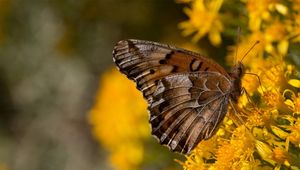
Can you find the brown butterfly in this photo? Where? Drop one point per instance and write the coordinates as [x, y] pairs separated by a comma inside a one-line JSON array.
[[187, 94]]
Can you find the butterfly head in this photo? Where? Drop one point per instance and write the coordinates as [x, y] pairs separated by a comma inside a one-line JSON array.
[[237, 71]]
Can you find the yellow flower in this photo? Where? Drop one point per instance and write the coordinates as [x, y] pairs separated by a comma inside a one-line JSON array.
[[268, 134], [120, 129], [294, 26], [203, 19], [274, 39], [253, 56], [204, 150], [294, 136], [293, 102], [279, 132], [267, 127], [261, 10], [265, 151], [273, 73], [225, 156], [296, 5], [296, 101], [280, 155], [251, 83], [276, 32], [294, 82], [258, 118], [237, 152], [273, 98]]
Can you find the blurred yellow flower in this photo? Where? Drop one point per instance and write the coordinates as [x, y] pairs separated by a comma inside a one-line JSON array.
[[296, 5], [261, 10], [203, 19], [120, 129], [254, 56], [276, 32], [293, 102], [280, 155], [294, 136]]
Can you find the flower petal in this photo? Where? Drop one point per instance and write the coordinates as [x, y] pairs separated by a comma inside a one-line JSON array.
[[294, 82]]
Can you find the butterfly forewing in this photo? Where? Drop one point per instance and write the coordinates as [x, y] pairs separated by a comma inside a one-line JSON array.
[[147, 62], [187, 94]]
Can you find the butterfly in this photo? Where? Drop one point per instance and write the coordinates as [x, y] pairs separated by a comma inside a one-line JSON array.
[[187, 94]]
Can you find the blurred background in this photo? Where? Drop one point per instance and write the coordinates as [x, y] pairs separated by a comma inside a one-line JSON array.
[[63, 105], [53, 54]]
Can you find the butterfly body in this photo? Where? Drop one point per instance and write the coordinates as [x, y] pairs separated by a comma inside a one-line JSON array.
[[236, 74], [187, 94]]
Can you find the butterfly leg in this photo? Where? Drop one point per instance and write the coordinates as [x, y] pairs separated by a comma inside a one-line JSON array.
[[240, 119], [244, 91], [236, 112], [258, 78], [249, 98]]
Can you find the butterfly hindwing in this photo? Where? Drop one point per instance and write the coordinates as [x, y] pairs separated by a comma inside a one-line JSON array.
[[187, 107], [147, 62]]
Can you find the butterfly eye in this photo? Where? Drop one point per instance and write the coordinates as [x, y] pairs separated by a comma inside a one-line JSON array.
[[241, 69]]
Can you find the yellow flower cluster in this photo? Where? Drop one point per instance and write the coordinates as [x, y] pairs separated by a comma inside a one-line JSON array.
[[268, 137], [265, 134], [121, 129], [203, 19]]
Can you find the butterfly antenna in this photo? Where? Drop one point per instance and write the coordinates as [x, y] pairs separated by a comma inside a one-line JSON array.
[[250, 50], [237, 46]]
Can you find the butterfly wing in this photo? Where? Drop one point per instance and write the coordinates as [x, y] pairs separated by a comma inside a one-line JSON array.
[[147, 62], [187, 107], [187, 93]]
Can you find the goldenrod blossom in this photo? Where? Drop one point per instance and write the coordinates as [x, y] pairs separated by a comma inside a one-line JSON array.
[[203, 19], [261, 10], [265, 134]]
